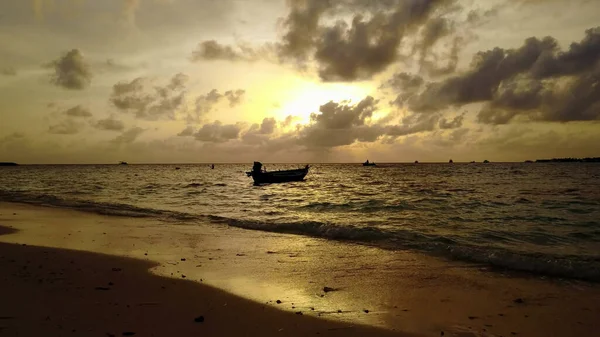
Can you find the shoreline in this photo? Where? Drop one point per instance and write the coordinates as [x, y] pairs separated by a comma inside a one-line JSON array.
[[50, 291], [389, 290]]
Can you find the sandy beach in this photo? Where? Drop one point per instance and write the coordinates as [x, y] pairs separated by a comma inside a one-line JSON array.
[[69, 273]]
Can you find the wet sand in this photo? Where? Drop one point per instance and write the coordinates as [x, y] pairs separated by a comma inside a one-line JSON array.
[[59, 292], [59, 282]]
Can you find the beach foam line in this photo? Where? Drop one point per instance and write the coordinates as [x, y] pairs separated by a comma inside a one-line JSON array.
[[575, 267]]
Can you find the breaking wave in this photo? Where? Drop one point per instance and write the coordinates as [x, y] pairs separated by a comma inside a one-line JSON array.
[[579, 267]]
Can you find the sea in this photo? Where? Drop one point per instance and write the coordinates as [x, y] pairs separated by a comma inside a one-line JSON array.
[[541, 218]]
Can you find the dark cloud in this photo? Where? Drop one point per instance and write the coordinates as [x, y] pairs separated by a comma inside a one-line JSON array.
[[432, 31], [342, 116], [212, 50], [188, 131], [128, 136], [414, 123], [78, 111], [234, 97], [8, 71], [368, 46], [110, 124], [432, 69], [455, 123], [581, 57], [343, 51], [66, 127], [406, 84], [536, 81], [71, 71], [339, 124], [268, 126], [302, 25], [218, 132], [162, 102]]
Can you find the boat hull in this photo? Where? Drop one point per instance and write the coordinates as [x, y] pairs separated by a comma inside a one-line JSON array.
[[278, 176]]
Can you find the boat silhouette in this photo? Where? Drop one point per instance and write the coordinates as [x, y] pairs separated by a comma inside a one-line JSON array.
[[261, 176], [367, 163]]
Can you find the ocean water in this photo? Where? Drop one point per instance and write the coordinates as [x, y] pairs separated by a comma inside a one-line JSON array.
[[540, 218]]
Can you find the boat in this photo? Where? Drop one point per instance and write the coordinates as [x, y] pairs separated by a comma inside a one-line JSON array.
[[367, 163], [122, 163], [261, 176]]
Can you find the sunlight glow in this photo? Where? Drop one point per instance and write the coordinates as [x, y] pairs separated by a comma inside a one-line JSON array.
[[307, 97]]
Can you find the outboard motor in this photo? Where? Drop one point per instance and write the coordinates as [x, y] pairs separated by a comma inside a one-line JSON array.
[[257, 167]]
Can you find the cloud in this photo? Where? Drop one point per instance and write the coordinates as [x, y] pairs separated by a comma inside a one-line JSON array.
[[268, 126], [71, 71], [15, 136], [536, 81], [339, 124], [8, 71], [218, 132], [66, 127], [211, 50], [188, 131], [78, 111], [234, 97], [128, 136], [414, 123], [206, 103], [163, 102], [455, 123], [110, 124], [342, 51]]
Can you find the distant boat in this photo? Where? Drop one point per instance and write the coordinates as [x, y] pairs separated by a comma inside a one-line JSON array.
[[212, 167], [486, 161], [416, 161], [122, 163], [473, 162], [450, 161], [261, 176], [8, 164], [367, 163]]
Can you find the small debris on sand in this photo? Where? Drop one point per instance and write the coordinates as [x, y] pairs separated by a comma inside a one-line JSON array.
[[182, 276], [199, 319], [278, 302]]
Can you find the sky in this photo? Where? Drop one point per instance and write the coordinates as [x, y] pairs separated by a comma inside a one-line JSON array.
[[215, 81]]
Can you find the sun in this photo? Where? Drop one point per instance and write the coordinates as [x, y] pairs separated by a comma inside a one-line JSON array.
[[306, 97]]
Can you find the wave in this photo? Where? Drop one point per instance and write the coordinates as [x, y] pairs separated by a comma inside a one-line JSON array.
[[369, 206], [395, 238], [103, 208]]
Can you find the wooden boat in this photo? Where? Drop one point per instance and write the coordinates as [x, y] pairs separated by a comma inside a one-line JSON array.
[[122, 163], [367, 163], [261, 176]]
